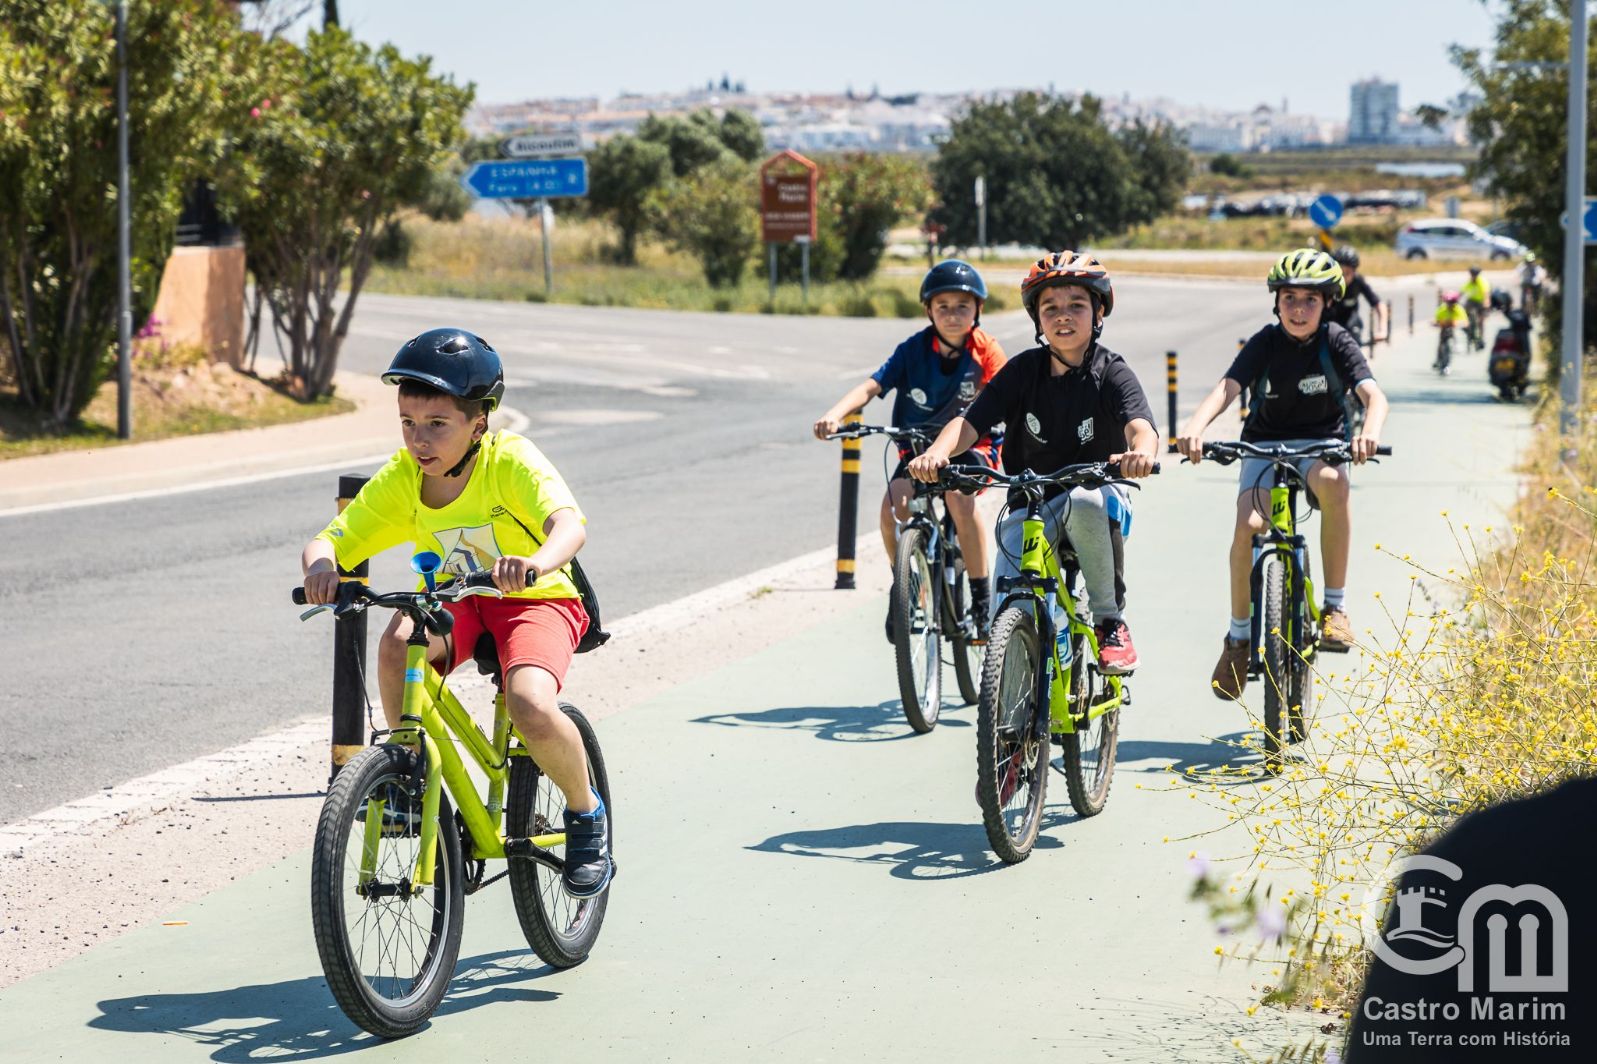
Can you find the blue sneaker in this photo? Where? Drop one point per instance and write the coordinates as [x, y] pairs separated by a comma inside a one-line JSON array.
[[588, 868]]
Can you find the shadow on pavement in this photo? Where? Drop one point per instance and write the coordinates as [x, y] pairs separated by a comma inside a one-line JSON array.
[[911, 849], [1219, 756], [1447, 397], [298, 1019], [881, 723]]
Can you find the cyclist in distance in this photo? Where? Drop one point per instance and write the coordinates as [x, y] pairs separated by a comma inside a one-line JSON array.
[[485, 502], [936, 373], [1299, 369], [1068, 400], [1476, 293], [1345, 311], [1450, 317]]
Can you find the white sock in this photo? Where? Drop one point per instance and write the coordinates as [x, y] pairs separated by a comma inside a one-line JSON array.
[[1334, 597], [1240, 629]]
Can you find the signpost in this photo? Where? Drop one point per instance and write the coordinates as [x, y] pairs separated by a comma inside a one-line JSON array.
[[787, 208], [544, 146], [1325, 212], [540, 179], [981, 214]]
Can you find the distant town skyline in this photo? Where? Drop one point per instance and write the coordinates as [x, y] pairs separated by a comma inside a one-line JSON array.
[[1166, 48]]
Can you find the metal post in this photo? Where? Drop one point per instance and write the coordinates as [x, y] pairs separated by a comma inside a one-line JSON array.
[[771, 247], [1170, 383], [548, 253], [848, 509], [124, 252], [1573, 284], [349, 658], [1411, 313], [981, 215], [804, 260]]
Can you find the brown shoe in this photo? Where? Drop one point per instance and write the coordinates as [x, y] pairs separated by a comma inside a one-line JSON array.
[[1231, 674], [1336, 631]]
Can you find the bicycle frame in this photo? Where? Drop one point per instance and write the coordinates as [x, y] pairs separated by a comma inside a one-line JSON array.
[[431, 710], [1281, 539], [1040, 578]]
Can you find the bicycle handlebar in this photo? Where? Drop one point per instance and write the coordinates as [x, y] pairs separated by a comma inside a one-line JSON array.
[[1095, 474], [353, 596], [892, 431], [1332, 452]]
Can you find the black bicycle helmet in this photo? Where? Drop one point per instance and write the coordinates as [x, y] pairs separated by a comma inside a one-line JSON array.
[[953, 275], [1346, 255], [454, 361]]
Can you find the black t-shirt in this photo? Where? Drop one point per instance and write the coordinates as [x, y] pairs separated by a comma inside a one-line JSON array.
[[1053, 421], [1294, 399], [1346, 309]]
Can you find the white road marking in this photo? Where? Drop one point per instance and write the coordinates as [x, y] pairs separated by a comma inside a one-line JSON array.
[[138, 798]]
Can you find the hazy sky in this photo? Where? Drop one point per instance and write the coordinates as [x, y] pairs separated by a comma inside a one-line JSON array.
[[1230, 54]]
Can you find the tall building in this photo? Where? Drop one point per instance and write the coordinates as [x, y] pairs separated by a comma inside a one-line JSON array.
[[1373, 114]]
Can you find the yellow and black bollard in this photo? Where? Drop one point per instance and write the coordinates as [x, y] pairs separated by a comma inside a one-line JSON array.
[[848, 509], [349, 657], [1170, 384], [1411, 313]]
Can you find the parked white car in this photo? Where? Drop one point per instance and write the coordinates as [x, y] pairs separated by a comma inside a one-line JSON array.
[[1454, 238]]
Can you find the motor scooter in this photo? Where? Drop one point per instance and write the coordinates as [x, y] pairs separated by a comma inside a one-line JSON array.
[[1508, 368]]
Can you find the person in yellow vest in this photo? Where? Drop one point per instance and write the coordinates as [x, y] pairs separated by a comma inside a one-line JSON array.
[[1477, 293]]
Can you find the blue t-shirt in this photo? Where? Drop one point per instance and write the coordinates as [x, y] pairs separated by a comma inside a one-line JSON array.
[[931, 390]]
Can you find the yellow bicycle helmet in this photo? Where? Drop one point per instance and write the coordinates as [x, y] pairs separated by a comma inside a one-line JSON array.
[[1308, 268]]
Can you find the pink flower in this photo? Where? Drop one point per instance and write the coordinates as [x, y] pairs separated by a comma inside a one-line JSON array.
[[255, 112], [267, 103]]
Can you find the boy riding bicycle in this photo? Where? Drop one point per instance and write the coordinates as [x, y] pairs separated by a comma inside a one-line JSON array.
[[1477, 294], [485, 502], [1345, 311], [936, 373], [1449, 316], [1299, 369], [1068, 400]]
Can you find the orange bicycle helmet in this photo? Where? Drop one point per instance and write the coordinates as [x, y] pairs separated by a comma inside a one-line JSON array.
[[1067, 268]]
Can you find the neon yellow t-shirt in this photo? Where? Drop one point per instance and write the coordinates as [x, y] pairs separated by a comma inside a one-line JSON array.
[[1475, 290], [513, 490], [1451, 314]]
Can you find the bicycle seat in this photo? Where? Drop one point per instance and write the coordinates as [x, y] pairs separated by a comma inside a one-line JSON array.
[[486, 655]]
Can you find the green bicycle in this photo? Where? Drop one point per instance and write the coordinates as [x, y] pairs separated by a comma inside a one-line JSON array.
[[1038, 688], [1285, 627], [395, 854]]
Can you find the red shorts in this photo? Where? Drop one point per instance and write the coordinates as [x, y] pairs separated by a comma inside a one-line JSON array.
[[541, 632]]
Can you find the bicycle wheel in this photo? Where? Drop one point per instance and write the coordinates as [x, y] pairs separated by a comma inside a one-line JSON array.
[[916, 640], [1089, 757], [559, 928], [1011, 761], [1276, 657], [967, 655], [388, 954], [1300, 670]]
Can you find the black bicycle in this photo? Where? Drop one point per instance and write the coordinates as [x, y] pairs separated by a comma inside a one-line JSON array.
[[930, 597], [1285, 629]]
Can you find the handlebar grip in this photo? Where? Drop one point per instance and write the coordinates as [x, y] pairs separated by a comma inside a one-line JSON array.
[[486, 579], [1157, 466], [1383, 450], [299, 596]]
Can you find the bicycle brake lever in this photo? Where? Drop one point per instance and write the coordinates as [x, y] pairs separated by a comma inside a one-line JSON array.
[[313, 611]]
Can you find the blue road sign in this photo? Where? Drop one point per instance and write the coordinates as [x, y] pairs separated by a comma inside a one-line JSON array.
[[1589, 220], [1325, 211], [527, 179]]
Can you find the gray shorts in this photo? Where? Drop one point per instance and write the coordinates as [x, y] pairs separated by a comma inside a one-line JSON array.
[[1260, 473]]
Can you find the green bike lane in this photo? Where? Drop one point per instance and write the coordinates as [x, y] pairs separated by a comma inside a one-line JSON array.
[[801, 878]]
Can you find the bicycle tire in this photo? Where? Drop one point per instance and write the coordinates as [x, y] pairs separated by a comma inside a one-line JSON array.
[[560, 929], [1300, 674], [1089, 766], [387, 771], [1008, 756], [1275, 659], [967, 655], [920, 683]]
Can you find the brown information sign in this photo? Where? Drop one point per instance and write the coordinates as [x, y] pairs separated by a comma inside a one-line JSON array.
[[787, 198]]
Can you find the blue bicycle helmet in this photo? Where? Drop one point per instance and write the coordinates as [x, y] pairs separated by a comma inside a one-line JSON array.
[[953, 275]]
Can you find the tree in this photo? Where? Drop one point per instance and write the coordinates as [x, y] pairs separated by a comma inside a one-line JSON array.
[[1056, 175], [712, 216], [860, 196], [58, 173], [1430, 115], [693, 142], [1161, 166], [342, 139], [742, 135], [1520, 127], [623, 173]]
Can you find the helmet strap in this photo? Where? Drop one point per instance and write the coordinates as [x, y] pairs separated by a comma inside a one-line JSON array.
[[454, 471]]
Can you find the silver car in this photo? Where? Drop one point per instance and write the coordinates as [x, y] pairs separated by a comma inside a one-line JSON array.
[[1454, 238]]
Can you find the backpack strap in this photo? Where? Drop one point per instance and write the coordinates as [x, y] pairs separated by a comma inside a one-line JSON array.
[[1333, 381]]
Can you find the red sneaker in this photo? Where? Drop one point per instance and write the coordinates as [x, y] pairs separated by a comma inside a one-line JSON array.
[[1116, 655]]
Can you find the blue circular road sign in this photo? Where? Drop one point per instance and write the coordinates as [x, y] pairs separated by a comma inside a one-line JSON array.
[[1325, 211]]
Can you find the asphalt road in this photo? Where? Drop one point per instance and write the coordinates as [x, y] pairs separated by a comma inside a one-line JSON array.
[[144, 633]]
